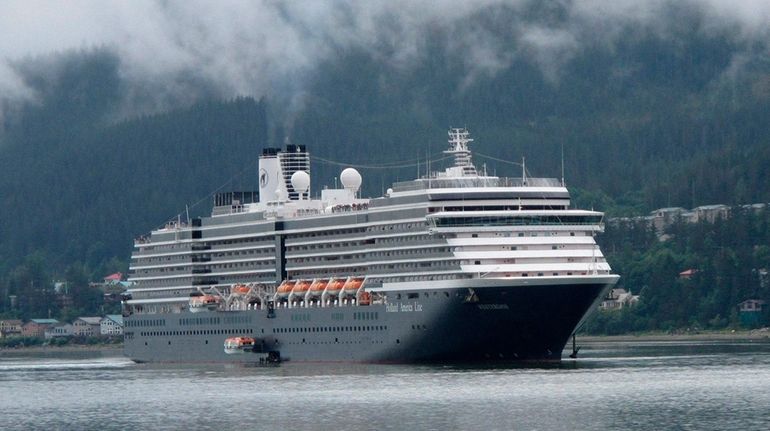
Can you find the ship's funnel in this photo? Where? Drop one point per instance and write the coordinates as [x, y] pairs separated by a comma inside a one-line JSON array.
[[270, 180]]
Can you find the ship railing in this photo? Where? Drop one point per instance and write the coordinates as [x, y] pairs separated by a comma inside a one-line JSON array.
[[341, 208], [473, 182]]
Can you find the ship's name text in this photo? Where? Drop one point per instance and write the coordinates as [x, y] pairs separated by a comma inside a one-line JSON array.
[[403, 307]]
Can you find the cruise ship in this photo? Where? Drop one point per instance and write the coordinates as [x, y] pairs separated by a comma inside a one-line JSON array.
[[454, 266]]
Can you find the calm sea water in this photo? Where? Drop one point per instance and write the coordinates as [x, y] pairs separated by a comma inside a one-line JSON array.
[[626, 386]]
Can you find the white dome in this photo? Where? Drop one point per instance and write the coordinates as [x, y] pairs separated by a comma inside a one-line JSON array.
[[300, 180], [350, 179]]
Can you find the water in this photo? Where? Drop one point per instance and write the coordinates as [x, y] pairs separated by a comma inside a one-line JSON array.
[[625, 386]]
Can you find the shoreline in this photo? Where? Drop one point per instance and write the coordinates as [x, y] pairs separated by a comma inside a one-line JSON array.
[[106, 348], [752, 335]]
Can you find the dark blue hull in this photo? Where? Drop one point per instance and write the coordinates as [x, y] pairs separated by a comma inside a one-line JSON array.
[[501, 323]]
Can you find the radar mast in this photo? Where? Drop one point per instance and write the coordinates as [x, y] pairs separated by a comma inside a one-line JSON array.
[[458, 147]]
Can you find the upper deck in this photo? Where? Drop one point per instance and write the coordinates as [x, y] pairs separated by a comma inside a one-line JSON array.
[[474, 182]]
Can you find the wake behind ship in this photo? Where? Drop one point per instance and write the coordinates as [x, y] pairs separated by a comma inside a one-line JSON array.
[[457, 266]]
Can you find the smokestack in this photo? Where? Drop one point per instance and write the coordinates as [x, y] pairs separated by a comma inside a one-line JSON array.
[[270, 181]]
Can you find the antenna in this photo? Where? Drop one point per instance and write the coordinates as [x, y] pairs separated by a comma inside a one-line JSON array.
[[562, 165], [523, 170]]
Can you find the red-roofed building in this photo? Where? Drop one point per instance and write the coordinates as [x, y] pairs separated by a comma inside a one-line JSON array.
[[113, 278]]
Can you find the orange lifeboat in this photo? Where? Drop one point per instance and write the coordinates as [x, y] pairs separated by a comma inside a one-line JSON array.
[[239, 345], [318, 287], [285, 288], [353, 285], [240, 289], [365, 298], [335, 286], [302, 286], [204, 303]]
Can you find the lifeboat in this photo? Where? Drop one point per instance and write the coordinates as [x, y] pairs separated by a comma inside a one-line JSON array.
[[240, 289], [204, 303], [318, 287], [365, 298], [335, 286], [285, 288], [302, 286], [239, 345], [351, 287]]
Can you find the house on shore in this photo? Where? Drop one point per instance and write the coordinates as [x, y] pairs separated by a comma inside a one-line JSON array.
[[619, 298], [87, 326], [60, 330], [111, 324], [10, 328], [752, 312], [37, 327]]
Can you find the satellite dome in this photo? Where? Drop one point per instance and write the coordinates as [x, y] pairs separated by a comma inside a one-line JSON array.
[[300, 180], [350, 179]]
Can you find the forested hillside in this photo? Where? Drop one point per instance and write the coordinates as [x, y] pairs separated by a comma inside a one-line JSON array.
[[652, 119], [728, 260], [76, 188]]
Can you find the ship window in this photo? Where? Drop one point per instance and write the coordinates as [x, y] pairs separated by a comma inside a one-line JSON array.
[[413, 295]]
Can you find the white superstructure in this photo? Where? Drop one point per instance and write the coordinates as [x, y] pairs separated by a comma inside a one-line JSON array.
[[455, 227]]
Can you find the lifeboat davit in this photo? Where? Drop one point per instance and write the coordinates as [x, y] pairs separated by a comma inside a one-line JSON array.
[[239, 345], [204, 303]]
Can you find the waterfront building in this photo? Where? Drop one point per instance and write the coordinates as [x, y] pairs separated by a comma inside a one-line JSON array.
[[37, 327], [111, 324]]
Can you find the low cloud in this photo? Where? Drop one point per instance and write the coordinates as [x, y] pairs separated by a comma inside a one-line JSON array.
[[173, 51]]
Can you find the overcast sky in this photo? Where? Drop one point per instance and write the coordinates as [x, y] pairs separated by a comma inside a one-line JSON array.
[[250, 48]]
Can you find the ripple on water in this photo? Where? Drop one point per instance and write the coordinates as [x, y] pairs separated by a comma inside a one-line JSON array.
[[669, 386]]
